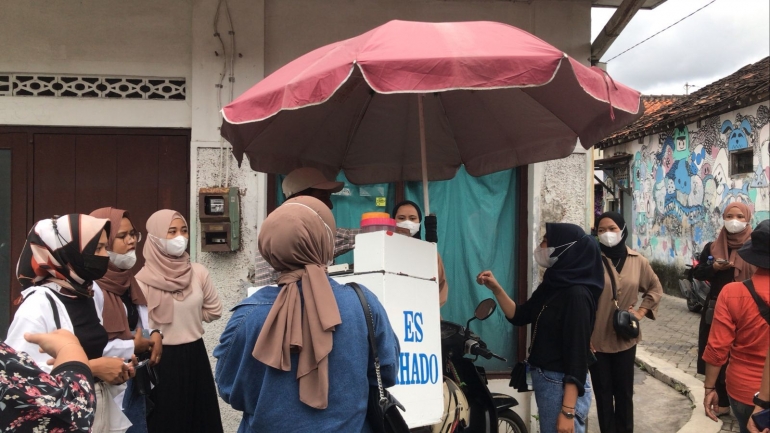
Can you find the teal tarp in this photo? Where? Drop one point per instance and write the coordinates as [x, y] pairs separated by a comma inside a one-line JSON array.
[[477, 231]]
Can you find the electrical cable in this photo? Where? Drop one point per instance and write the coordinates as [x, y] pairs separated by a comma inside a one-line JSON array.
[[656, 34]]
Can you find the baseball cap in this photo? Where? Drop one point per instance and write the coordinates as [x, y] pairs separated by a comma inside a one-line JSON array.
[[308, 177]]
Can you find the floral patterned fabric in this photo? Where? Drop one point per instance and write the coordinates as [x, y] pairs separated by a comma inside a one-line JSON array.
[[34, 401]]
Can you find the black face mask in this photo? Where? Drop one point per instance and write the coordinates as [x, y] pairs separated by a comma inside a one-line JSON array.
[[94, 267]]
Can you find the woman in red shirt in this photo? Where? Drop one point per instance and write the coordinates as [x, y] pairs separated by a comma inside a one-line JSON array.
[[740, 332]]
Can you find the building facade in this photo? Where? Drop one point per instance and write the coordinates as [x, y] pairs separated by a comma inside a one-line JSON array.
[[690, 158]]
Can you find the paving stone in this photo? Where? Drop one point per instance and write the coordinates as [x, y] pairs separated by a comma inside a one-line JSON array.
[[673, 337]]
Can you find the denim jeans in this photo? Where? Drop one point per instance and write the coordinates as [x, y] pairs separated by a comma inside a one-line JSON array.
[[742, 413], [134, 407], [549, 392]]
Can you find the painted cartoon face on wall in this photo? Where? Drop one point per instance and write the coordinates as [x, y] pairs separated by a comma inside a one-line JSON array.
[[709, 193], [697, 158], [682, 178], [681, 137], [736, 195], [670, 186], [737, 134], [696, 192]]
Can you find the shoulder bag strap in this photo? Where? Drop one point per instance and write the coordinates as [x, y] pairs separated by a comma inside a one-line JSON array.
[[372, 341], [764, 310], [55, 310], [612, 280]]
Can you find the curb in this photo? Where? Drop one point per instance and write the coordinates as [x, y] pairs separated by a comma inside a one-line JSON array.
[[691, 387]]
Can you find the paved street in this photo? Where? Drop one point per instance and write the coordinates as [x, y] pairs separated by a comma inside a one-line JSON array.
[[673, 337]]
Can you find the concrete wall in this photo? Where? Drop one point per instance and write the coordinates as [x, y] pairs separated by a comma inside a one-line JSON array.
[[140, 38], [681, 182], [174, 39]]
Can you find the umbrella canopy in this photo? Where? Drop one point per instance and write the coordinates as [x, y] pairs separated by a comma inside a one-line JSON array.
[[495, 97]]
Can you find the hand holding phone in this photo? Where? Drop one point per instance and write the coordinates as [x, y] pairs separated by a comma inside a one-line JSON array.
[[762, 419]]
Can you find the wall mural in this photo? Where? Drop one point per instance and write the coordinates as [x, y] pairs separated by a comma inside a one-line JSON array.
[[681, 182]]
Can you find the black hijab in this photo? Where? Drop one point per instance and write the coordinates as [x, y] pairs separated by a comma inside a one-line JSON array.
[[619, 252], [417, 235], [578, 264]]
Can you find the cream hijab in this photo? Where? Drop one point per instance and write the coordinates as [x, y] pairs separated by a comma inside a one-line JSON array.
[[168, 277], [297, 239]]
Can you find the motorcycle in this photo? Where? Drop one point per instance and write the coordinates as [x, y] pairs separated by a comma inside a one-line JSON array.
[[695, 291], [470, 406]]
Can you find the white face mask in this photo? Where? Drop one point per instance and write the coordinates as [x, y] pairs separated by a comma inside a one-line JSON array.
[[413, 227], [543, 255], [173, 247], [735, 226], [610, 239], [123, 261]]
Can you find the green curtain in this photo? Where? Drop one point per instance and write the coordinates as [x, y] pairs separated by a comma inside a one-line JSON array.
[[477, 219]]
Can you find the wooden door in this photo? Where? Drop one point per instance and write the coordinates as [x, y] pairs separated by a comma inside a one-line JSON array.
[[78, 170]]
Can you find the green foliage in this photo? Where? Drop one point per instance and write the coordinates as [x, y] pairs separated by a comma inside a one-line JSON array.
[[669, 276]]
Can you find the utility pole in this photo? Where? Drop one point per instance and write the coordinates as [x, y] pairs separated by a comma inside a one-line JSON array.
[[687, 88]]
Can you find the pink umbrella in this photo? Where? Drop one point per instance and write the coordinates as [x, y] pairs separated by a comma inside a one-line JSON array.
[[414, 101]]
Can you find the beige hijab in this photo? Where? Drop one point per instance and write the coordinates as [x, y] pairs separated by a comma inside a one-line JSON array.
[[297, 239], [168, 277]]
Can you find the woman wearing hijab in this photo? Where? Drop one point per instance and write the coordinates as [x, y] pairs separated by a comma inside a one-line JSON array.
[[180, 297], [125, 313], [741, 333], [408, 218], [60, 260], [295, 357], [727, 267], [613, 373], [69, 400], [562, 312]]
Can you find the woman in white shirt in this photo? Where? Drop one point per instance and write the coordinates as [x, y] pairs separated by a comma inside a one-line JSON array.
[[180, 296], [57, 267]]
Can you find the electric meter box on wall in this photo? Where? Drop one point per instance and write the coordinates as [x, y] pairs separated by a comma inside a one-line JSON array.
[[403, 273], [219, 211]]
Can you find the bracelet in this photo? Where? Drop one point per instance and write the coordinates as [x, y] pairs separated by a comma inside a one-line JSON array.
[[158, 331], [564, 405]]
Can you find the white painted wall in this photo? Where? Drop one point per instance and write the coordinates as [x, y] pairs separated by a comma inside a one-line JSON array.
[[138, 38], [175, 39]]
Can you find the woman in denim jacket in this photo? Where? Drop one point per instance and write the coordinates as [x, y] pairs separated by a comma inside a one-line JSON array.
[[295, 357]]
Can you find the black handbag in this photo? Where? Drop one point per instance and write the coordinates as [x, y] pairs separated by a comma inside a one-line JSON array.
[[382, 409], [519, 377], [625, 323]]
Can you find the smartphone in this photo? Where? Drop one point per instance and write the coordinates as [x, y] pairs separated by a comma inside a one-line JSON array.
[[141, 364], [762, 419], [722, 261]]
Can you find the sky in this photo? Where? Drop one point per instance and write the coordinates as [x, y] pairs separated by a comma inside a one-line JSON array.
[[711, 44]]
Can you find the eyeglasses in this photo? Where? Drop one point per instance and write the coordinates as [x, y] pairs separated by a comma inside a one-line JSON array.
[[133, 234]]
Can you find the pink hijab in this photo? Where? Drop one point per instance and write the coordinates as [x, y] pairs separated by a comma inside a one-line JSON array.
[[168, 277], [297, 239], [727, 244]]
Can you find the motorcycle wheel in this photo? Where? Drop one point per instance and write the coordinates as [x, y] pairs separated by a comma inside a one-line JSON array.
[[509, 422], [693, 306]]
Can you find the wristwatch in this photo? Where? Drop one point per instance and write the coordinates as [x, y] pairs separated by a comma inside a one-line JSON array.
[[761, 403], [158, 331], [569, 415]]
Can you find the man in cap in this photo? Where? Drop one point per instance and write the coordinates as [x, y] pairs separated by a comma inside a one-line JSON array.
[[741, 330], [311, 182]]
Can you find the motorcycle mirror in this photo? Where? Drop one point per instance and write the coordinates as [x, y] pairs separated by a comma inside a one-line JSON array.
[[485, 309]]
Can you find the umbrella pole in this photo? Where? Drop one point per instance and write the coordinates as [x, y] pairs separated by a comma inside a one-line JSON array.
[[423, 155]]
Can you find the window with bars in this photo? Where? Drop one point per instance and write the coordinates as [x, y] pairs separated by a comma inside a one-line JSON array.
[[92, 86]]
